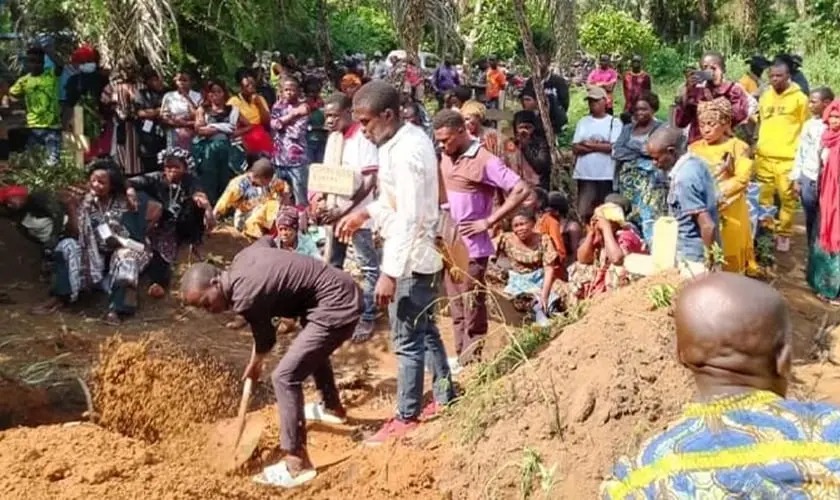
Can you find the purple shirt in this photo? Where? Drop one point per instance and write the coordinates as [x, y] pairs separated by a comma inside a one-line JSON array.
[[290, 139], [446, 78], [471, 182]]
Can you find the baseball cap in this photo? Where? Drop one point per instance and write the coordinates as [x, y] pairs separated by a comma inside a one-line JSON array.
[[596, 94]]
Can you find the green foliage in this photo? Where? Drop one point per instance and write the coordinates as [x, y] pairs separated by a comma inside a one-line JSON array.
[[361, 29], [662, 295], [665, 63], [610, 31], [30, 169]]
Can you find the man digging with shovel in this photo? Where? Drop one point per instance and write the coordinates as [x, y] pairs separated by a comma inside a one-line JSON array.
[[262, 283]]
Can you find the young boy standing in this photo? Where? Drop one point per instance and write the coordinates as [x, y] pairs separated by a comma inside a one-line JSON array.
[[806, 165]]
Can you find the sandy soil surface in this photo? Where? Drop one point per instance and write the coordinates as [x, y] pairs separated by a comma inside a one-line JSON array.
[[551, 428]]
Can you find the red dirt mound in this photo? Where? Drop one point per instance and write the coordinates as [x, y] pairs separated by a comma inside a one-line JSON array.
[[604, 384], [152, 388]]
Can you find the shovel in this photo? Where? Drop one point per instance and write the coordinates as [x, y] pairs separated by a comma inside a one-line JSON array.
[[234, 441]]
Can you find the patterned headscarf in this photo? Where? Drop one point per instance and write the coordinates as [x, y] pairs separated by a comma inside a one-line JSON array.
[[718, 110], [287, 217], [178, 154]]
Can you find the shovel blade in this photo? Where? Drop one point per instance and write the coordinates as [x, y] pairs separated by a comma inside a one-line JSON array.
[[227, 453]]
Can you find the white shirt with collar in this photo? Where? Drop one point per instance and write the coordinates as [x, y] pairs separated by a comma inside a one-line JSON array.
[[360, 155], [407, 209], [807, 162]]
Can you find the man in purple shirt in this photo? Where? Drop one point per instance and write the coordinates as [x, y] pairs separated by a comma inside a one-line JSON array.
[[444, 80], [471, 176]]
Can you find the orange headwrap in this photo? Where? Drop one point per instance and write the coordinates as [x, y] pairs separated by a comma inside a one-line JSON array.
[[7, 192]]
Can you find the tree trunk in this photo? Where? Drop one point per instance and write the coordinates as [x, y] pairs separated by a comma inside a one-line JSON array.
[[749, 19], [410, 28], [565, 34], [470, 39], [802, 9], [323, 33], [534, 63]]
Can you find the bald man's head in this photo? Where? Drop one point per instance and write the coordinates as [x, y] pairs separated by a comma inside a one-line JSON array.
[[665, 146], [734, 333], [200, 288]]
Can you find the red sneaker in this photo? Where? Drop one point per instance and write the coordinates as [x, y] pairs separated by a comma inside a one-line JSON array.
[[393, 429], [431, 411]]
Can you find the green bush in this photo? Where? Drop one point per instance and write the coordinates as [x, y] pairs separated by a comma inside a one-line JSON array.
[[666, 64], [610, 31]]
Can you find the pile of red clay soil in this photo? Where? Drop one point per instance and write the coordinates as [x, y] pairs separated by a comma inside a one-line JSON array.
[[151, 389], [602, 386], [21, 404]]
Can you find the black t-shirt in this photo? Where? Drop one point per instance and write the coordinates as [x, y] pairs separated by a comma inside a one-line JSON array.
[[155, 185], [557, 91]]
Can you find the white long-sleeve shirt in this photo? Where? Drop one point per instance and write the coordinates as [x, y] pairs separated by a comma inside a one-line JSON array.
[[407, 209], [807, 161]]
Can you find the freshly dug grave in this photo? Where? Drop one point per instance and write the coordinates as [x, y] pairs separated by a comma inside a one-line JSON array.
[[151, 389], [605, 384]]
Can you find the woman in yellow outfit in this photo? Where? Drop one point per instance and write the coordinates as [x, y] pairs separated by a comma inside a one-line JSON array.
[[729, 159]]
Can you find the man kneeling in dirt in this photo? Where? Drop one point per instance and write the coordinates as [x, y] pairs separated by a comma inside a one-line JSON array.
[[740, 438], [264, 282]]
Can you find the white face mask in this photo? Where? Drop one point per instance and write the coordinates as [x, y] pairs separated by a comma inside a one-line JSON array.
[[87, 67]]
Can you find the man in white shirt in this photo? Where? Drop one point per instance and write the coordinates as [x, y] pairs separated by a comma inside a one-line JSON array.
[[348, 147], [406, 214], [592, 145], [806, 165]]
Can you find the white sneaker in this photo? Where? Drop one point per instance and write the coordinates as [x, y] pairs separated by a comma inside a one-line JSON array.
[[315, 412], [783, 244], [454, 366]]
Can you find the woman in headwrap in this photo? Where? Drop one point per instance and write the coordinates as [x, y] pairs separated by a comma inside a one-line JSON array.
[[288, 236], [474, 114], [529, 149], [730, 161], [600, 256], [824, 262], [186, 213], [638, 178]]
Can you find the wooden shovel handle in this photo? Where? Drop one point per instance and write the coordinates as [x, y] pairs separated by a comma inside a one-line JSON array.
[[243, 407]]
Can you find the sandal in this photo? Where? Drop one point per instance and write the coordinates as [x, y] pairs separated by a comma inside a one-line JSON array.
[[112, 318], [236, 323], [278, 475], [47, 308]]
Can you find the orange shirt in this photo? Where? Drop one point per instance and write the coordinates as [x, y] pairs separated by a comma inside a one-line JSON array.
[[496, 81], [547, 224]]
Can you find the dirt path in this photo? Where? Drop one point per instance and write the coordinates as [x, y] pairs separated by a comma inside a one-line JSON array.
[[78, 468]]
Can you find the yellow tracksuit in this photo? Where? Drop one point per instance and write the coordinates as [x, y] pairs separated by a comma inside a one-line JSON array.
[[781, 117]]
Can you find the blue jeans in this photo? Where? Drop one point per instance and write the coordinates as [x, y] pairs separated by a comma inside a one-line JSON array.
[[416, 340], [50, 140], [810, 196], [368, 260], [297, 177]]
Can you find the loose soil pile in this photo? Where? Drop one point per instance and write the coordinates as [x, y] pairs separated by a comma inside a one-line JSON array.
[[152, 389], [606, 383]]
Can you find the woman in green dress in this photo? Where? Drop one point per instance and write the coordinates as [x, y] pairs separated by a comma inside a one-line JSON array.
[[638, 179], [217, 125]]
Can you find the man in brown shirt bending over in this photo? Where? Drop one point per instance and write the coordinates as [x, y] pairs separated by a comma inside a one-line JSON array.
[[264, 282]]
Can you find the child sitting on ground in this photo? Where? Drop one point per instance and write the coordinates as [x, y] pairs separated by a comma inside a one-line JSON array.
[[558, 208], [549, 225], [627, 207], [248, 191]]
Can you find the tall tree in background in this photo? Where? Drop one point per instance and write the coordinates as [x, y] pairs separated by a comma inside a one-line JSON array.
[[749, 22], [534, 63], [565, 32]]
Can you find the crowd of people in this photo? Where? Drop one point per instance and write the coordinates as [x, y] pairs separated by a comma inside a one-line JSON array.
[[166, 166]]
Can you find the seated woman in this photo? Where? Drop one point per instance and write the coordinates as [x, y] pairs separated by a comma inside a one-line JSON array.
[[217, 124], [186, 213], [248, 191], [290, 238], [548, 223], [638, 178], [106, 244], [531, 257], [558, 207], [732, 166], [600, 256]]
